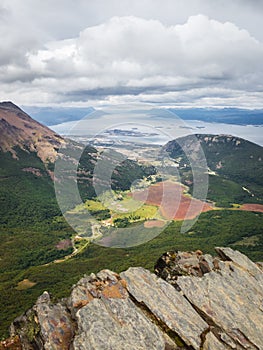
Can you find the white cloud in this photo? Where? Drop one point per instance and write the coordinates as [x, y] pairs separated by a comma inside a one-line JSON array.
[[131, 56]]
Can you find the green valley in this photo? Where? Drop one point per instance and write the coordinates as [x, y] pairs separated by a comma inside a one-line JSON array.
[[40, 251]]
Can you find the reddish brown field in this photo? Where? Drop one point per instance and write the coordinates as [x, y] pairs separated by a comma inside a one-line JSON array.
[[252, 207], [154, 223], [64, 244], [173, 203]]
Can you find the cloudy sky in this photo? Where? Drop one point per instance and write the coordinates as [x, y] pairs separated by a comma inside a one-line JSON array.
[[100, 52]]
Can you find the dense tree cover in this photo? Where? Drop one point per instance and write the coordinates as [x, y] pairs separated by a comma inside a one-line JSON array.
[[227, 192], [26, 194], [121, 222], [127, 172], [216, 228], [121, 173]]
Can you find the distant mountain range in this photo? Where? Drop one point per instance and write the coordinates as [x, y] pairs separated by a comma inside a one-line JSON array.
[[56, 115], [221, 115]]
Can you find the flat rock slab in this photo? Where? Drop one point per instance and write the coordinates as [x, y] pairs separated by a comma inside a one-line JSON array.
[[116, 324], [168, 305], [231, 298], [212, 343]]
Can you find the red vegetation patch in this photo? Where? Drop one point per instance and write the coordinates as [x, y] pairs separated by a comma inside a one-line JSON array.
[[173, 203], [154, 223], [252, 207], [64, 244]]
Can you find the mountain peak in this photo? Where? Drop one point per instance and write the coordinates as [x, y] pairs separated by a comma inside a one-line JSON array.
[[9, 105]]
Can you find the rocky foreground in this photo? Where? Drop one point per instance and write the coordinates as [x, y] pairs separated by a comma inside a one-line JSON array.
[[195, 302]]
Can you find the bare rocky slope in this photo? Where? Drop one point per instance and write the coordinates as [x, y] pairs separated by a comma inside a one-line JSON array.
[[17, 128], [201, 302]]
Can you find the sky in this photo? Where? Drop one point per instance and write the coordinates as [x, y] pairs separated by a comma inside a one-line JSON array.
[[185, 53]]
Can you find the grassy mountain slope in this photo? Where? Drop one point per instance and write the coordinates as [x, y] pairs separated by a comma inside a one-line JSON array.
[[236, 163], [30, 215]]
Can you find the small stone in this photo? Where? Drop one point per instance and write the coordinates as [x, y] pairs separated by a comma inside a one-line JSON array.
[[199, 252]]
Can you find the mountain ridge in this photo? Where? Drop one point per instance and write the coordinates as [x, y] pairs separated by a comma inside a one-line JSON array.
[[229, 161], [19, 129], [56, 115], [234, 116]]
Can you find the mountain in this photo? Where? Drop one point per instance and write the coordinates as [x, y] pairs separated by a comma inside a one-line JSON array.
[[221, 115], [33, 231], [234, 166], [28, 204], [28, 151], [18, 129], [202, 302], [57, 115]]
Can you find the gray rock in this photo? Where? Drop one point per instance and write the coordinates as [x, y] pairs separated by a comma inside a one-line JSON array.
[[260, 265], [167, 304], [231, 298], [56, 326], [115, 324], [173, 264], [108, 319], [209, 304], [242, 261], [105, 284], [212, 343]]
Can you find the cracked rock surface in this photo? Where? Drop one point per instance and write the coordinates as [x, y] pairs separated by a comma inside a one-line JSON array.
[[195, 302]]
